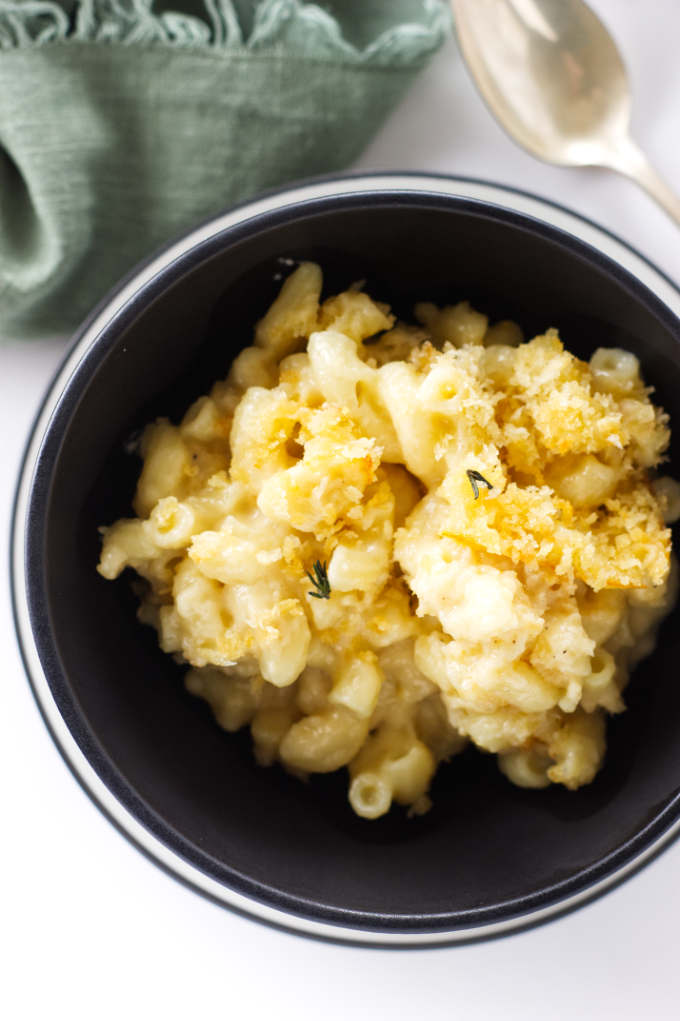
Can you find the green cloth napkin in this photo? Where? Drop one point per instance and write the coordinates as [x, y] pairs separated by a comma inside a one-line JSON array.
[[124, 122]]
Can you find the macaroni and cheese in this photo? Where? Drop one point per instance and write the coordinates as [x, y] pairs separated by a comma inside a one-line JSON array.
[[376, 542]]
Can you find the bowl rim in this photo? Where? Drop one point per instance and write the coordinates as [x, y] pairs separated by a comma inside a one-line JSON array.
[[292, 914]]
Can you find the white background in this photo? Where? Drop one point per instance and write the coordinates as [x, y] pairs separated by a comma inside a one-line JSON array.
[[93, 930]]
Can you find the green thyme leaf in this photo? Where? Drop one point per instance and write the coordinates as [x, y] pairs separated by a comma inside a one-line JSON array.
[[475, 478], [319, 580]]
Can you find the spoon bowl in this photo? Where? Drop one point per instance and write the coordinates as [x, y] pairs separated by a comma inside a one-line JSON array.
[[554, 78]]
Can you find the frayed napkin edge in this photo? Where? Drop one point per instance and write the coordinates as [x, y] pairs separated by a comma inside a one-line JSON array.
[[305, 29]]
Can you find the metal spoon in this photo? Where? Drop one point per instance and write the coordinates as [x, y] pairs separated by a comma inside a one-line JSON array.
[[553, 76]]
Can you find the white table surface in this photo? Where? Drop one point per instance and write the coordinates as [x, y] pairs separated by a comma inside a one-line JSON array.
[[93, 930]]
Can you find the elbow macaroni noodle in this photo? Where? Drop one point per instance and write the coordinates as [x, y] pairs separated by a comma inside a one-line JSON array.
[[510, 618]]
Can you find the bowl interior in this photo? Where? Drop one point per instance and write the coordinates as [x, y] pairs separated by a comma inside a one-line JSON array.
[[487, 849]]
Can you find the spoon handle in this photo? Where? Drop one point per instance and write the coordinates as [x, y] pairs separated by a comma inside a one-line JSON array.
[[631, 161]]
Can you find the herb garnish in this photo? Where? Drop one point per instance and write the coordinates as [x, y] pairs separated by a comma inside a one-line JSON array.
[[320, 581], [475, 478]]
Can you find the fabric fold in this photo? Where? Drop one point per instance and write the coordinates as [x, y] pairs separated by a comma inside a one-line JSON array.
[[123, 123]]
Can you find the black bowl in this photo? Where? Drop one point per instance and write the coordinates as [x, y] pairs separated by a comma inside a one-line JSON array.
[[489, 857]]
